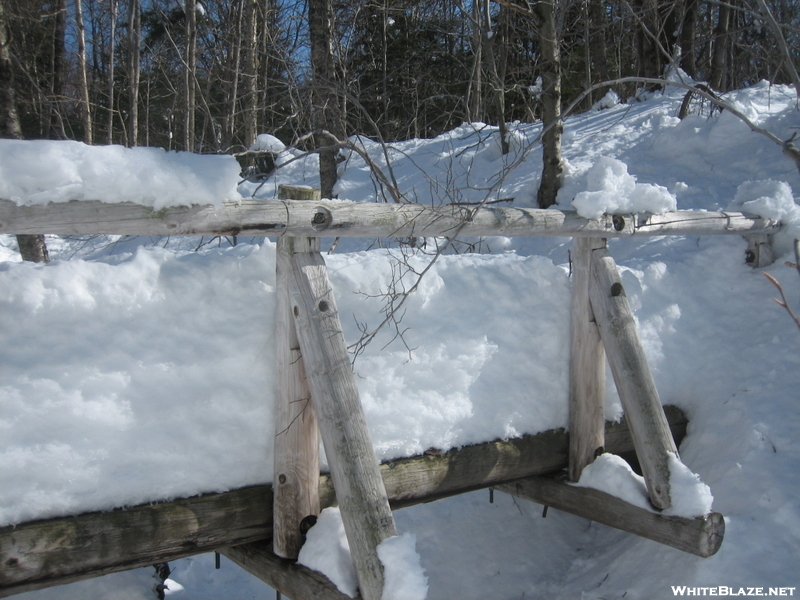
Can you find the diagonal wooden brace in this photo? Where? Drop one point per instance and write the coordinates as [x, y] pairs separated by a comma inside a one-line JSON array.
[[632, 376], [355, 471]]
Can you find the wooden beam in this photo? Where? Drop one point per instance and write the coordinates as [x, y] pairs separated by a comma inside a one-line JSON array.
[[701, 536], [57, 551], [51, 552], [587, 366], [356, 476], [286, 576], [358, 219], [632, 376], [296, 441]]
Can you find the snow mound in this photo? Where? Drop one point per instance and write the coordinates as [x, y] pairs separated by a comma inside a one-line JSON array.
[[267, 143], [609, 473], [609, 188], [404, 578], [326, 550], [43, 171]]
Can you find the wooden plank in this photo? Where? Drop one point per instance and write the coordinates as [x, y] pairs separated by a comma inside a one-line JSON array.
[[587, 366], [701, 536], [637, 390], [40, 554], [296, 441], [289, 578], [361, 494], [357, 219], [57, 551]]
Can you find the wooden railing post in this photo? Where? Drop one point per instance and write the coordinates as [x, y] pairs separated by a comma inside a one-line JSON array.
[[587, 366], [632, 376], [296, 444]]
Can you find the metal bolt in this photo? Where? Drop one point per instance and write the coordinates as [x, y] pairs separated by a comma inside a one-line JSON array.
[[323, 305]]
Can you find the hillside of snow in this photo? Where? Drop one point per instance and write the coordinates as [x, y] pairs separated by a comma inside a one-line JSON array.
[[139, 369]]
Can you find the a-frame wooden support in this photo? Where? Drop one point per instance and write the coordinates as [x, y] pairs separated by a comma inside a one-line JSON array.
[[600, 306], [355, 471]]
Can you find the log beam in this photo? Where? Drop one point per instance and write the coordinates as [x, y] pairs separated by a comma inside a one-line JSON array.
[[587, 365], [358, 219], [701, 536], [44, 553], [632, 376], [355, 471], [296, 441]]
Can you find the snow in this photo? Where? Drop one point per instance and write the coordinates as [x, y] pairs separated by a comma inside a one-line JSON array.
[[134, 370], [689, 496], [404, 577], [326, 550], [608, 188], [39, 171], [266, 142]]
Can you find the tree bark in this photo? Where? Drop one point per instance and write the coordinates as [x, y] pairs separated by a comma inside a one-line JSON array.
[[326, 115], [719, 59], [134, 35], [111, 61], [56, 127], [551, 99], [86, 109], [190, 72], [251, 74]]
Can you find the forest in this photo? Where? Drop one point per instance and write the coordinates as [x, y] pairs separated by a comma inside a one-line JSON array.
[[208, 76]]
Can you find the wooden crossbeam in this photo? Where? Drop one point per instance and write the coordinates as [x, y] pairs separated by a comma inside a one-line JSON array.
[[356, 476], [587, 365], [40, 554], [632, 376], [358, 219], [289, 578], [701, 536], [296, 442]]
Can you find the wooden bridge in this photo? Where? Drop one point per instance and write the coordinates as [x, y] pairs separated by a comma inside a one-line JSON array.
[[258, 527]]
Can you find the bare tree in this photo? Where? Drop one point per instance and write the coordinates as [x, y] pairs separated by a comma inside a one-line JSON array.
[[552, 165], [86, 108], [134, 69], [190, 73]]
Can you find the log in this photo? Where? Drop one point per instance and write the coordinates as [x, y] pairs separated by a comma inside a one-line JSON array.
[[56, 551], [296, 441], [289, 578], [587, 366], [355, 472], [44, 553], [357, 219], [701, 536], [632, 376]]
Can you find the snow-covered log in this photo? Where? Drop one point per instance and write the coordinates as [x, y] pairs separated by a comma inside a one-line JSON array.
[[51, 552], [359, 219], [701, 536]]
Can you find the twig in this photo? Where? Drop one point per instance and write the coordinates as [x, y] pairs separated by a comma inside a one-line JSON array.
[[783, 302]]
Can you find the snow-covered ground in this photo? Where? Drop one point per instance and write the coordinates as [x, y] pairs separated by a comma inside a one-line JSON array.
[[135, 369]]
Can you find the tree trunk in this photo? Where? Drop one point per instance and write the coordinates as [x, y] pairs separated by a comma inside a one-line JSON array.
[[111, 61], [688, 38], [56, 127], [551, 100], [31, 247], [326, 115], [86, 109], [719, 59], [251, 74], [190, 57], [134, 35]]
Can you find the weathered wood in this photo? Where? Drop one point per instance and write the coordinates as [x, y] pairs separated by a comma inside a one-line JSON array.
[[759, 250], [55, 551], [632, 376], [358, 219], [587, 366], [363, 502], [296, 442], [701, 536], [289, 578]]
